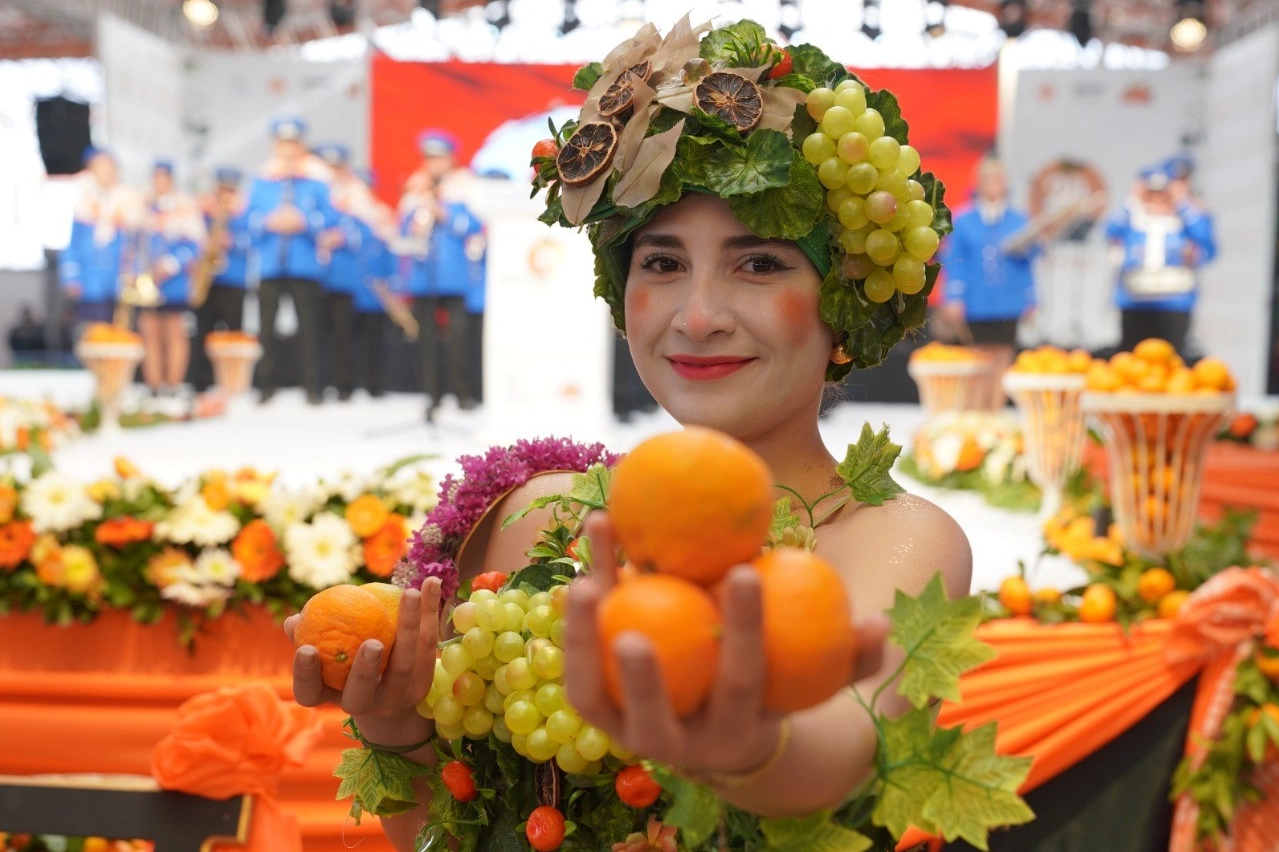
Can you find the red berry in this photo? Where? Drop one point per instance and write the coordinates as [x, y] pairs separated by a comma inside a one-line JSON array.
[[545, 829], [636, 788], [458, 779], [783, 65], [545, 148], [491, 580], [571, 550]]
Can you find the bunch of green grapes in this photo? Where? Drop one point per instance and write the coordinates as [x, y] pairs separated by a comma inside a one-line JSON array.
[[870, 180], [503, 676]]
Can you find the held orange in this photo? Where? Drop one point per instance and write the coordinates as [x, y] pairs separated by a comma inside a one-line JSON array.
[[810, 645], [389, 594], [691, 504], [1015, 596], [682, 624], [336, 621], [1098, 604], [1154, 584]]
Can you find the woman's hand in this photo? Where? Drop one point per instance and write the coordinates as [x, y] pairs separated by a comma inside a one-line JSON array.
[[385, 703], [733, 732]]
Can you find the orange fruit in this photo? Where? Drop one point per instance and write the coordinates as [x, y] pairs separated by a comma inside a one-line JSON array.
[[683, 626], [1153, 350], [1212, 374], [1267, 659], [691, 504], [389, 594], [970, 455], [1171, 603], [1098, 604], [1015, 596], [1101, 378], [1079, 360], [1047, 595], [336, 621], [1155, 583], [1181, 381], [810, 644]]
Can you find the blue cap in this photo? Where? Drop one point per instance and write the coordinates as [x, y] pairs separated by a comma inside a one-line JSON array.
[[228, 176], [162, 165], [290, 129], [1179, 166], [93, 151], [1154, 177], [437, 143], [334, 154]]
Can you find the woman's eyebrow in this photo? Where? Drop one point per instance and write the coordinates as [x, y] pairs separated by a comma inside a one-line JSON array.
[[658, 240], [746, 241]]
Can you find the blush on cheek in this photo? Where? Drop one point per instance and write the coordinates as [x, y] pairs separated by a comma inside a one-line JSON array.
[[637, 306], [797, 312]]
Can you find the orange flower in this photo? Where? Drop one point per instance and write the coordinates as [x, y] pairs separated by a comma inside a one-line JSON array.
[[386, 547], [126, 469], [46, 554], [8, 503], [16, 539], [367, 514], [256, 551], [216, 494], [119, 532], [166, 567]]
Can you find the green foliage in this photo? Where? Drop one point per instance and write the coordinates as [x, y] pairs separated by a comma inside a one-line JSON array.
[[787, 212], [937, 635], [587, 76], [817, 833], [738, 45], [810, 62], [764, 163], [867, 467], [381, 783]]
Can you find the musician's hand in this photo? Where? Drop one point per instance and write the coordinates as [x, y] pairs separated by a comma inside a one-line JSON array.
[[951, 312], [330, 240], [286, 220], [74, 291]]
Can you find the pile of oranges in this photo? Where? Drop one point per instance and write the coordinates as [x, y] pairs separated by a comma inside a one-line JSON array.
[[1098, 603], [1154, 367], [1051, 359], [223, 338], [688, 506], [105, 332], [936, 352]]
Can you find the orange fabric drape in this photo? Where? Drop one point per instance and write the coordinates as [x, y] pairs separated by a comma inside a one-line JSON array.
[[1241, 477], [97, 698]]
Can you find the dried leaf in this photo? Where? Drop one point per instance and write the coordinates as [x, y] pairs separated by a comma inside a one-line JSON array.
[[642, 178], [779, 107], [635, 48], [628, 141], [752, 74], [578, 200], [680, 43], [680, 98]]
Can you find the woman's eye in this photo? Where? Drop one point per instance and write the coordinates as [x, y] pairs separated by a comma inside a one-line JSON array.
[[659, 263], [762, 264]]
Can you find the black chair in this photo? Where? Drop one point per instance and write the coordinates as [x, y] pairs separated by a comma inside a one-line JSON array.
[[121, 807]]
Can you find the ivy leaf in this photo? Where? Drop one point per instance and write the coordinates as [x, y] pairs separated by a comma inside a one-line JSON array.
[[783, 518], [886, 103], [692, 158], [765, 162], [695, 810], [935, 194], [841, 305], [817, 833], [812, 62], [726, 44], [783, 212], [868, 465], [591, 488], [947, 781], [381, 783], [587, 76], [540, 503], [937, 636]]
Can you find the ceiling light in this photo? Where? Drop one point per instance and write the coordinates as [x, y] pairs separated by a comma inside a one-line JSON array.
[[200, 13], [1188, 33]]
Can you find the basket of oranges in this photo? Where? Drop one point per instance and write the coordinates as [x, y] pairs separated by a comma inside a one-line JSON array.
[[1046, 385], [234, 354], [950, 378], [111, 354], [1157, 417]]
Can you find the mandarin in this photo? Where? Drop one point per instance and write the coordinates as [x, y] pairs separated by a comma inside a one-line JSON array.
[[389, 594], [691, 504], [336, 621], [682, 625], [1213, 374], [1098, 604], [1154, 584], [1155, 351], [1015, 595], [810, 644]]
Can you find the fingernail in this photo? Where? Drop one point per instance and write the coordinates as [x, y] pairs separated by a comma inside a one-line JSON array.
[[371, 650], [308, 656]]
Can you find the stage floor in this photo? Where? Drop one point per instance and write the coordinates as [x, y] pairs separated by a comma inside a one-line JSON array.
[[304, 443]]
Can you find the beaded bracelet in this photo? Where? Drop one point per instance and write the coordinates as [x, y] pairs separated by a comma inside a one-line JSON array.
[[385, 749]]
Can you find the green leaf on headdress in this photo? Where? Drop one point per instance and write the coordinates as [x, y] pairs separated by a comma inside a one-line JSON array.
[[765, 162], [886, 103], [587, 76], [809, 61], [783, 212], [692, 158], [935, 194], [842, 307], [732, 44]]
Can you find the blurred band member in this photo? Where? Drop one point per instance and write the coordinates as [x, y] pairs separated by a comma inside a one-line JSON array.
[[105, 214], [343, 246], [227, 252], [289, 208], [380, 265]]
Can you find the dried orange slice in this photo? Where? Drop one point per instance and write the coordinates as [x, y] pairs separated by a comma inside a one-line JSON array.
[[731, 97], [587, 153]]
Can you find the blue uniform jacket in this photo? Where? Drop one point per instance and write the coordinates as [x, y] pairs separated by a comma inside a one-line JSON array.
[[445, 271], [235, 269], [1126, 231], [293, 255], [345, 267], [477, 273], [176, 289], [95, 268], [992, 284]]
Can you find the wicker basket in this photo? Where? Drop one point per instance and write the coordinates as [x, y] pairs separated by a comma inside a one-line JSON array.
[[1055, 431]]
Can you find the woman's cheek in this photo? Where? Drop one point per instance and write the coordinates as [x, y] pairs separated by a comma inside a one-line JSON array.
[[798, 314], [637, 308]]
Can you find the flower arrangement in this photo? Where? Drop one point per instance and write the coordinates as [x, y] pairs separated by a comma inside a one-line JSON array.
[[1259, 430], [220, 540], [59, 843], [29, 426], [974, 450]]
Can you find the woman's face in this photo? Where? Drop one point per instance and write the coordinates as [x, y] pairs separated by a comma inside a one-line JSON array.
[[724, 325]]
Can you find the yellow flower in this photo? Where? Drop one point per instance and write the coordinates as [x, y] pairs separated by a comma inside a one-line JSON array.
[[125, 469], [80, 570], [104, 490], [167, 567]]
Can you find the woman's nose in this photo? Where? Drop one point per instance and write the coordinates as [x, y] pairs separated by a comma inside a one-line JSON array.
[[705, 310]]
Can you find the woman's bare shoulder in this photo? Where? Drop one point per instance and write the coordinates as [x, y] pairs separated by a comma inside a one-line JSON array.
[[489, 547]]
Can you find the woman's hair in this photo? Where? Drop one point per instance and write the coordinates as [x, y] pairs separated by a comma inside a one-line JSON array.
[[727, 112]]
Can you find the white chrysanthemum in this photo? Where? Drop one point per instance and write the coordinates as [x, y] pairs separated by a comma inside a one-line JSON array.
[[350, 486], [946, 450], [995, 467], [56, 503], [284, 507], [217, 566], [193, 522], [322, 553], [194, 595], [415, 489]]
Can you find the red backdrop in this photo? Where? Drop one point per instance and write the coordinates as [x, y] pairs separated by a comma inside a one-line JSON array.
[[953, 113]]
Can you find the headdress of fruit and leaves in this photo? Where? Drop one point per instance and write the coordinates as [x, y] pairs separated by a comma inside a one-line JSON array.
[[801, 149]]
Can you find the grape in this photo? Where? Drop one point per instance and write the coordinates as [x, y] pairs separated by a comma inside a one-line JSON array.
[[491, 615], [539, 599], [532, 646], [425, 708], [838, 120], [549, 663], [522, 717], [507, 647], [486, 667], [520, 674], [879, 288], [477, 721], [494, 700], [920, 214], [851, 98], [557, 633], [914, 190], [569, 760], [501, 730], [894, 183], [884, 153], [921, 242], [454, 731], [854, 242], [448, 711], [853, 148], [852, 213], [539, 621], [862, 178], [836, 197], [899, 221], [464, 616], [469, 689], [519, 742], [541, 747], [549, 698], [880, 206], [882, 247], [832, 172], [595, 767], [908, 272], [621, 752], [591, 743], [519, 597], [479, 596], [857, 266], [456, 659], [563, 725], [559, 599], [478, 642], [908, 161], [870, 124], [818, 147], [819, 101], [514, 618], [517, 695], [499, 680]]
